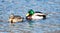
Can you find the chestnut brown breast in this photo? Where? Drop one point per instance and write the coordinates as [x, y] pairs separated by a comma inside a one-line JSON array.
[[29, 17]]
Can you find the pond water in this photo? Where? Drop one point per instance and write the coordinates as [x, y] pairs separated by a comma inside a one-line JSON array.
[[21, 7]]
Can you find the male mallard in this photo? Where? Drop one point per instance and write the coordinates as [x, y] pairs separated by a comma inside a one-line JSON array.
[[35, 15], [15, 18]]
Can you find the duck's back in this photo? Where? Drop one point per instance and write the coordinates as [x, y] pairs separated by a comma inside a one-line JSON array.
[[16, 16]]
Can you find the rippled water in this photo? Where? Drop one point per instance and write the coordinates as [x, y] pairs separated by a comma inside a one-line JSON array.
[[21, 7]]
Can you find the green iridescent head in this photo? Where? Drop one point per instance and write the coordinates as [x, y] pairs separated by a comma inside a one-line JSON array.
[[31, 12]]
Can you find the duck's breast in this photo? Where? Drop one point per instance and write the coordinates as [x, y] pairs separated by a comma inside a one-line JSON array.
[[29, 17]]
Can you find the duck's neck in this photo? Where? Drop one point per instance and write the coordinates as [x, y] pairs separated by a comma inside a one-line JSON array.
[[29, 15]]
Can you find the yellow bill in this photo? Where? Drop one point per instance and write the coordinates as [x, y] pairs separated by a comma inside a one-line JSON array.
[[27, 14]]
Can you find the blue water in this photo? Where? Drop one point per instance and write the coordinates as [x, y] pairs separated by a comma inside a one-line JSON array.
[[21, 7]]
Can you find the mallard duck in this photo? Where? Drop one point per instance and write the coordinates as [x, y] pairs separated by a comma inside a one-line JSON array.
[[15, 18], [31, 15]]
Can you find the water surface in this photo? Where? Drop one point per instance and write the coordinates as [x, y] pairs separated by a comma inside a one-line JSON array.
[[21, 7]]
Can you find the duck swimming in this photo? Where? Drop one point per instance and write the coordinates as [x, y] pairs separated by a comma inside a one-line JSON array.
[[15, 18], [31, 15]]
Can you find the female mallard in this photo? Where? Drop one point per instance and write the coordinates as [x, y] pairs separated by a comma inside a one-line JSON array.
[[15, 18], [35, 15]]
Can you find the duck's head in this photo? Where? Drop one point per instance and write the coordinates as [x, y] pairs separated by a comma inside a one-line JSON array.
[[30, 12], [11, 16]]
